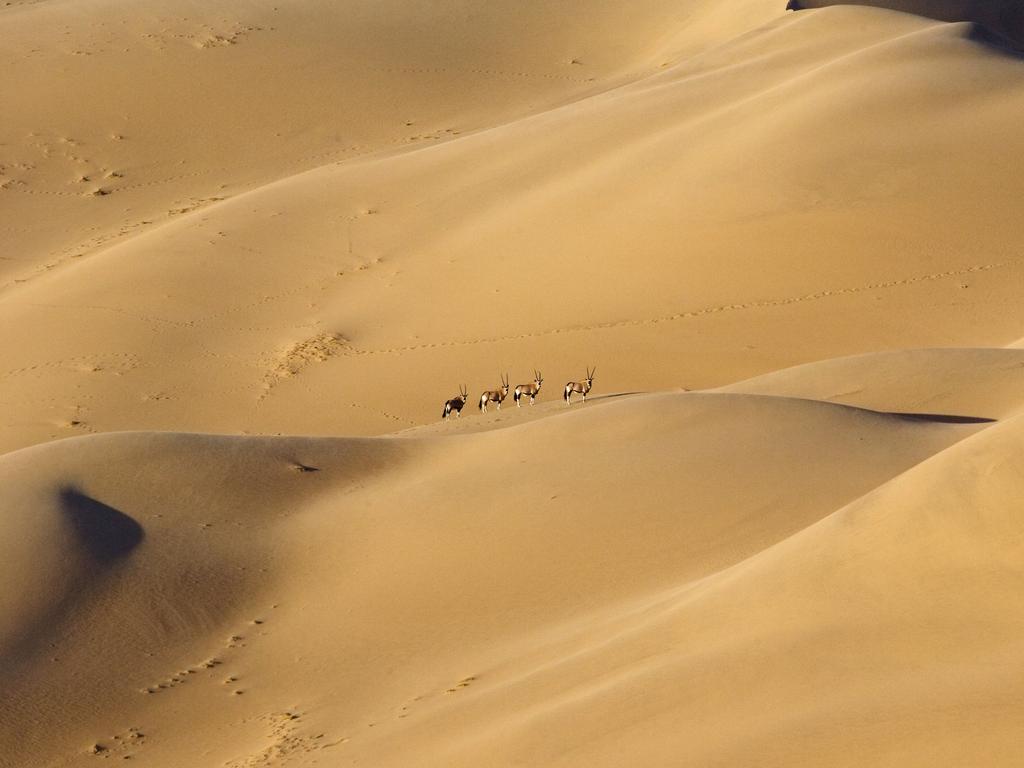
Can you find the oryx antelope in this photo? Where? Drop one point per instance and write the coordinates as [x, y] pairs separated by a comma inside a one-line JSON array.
[[529, 390], [583, 387], [456, 403], [495, 396]]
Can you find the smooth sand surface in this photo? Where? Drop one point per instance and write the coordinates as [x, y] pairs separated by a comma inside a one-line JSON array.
[[249, 250]]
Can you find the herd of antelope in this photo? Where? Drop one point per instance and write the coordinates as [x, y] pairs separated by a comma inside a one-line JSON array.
[[531, 391]]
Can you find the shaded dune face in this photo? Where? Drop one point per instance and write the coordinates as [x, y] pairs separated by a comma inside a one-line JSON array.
[[107, 534], [62, 548], [998, 20]]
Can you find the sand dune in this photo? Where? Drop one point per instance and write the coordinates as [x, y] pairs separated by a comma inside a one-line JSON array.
[[967, 383], [226, 225], [390, 571], [313, 303]]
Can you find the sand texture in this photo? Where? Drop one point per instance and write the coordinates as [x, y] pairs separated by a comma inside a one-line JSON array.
[[250, 248]]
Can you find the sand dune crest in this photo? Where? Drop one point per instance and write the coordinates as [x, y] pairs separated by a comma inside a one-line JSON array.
[[1002, 19]]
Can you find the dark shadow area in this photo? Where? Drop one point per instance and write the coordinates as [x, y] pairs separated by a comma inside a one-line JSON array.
[[985, 36], [995, 23], [106, 533], [942, 418]]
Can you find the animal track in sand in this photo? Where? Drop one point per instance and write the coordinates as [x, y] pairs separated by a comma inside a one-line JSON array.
[[320, 283], [285, 741], [176, 177], [194, 205], [463, 683], [233, 643], [77, 424], [685, 315], [444, 133], [484, 72], [406, 709], [21, 186], [124, 744], [180, 677], [117, 363], [301, 354], [198, 36], [313, 350], [45, 156], [87, 247], [331, 153], [385, 414]]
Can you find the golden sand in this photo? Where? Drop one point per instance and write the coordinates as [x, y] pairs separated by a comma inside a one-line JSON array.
[[249, 250]]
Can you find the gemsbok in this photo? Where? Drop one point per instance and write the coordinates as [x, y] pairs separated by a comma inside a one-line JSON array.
[[529, 390], [494, 396], [456, 403], [583, 387]]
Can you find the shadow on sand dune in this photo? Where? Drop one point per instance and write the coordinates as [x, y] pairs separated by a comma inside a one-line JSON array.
[[996, 23], [985, 36], [942, 418], [106, 533]]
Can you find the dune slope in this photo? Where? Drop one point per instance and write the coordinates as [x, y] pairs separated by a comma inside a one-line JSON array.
[[956, 383], [756, 204], [354, 582], [226, 223]]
